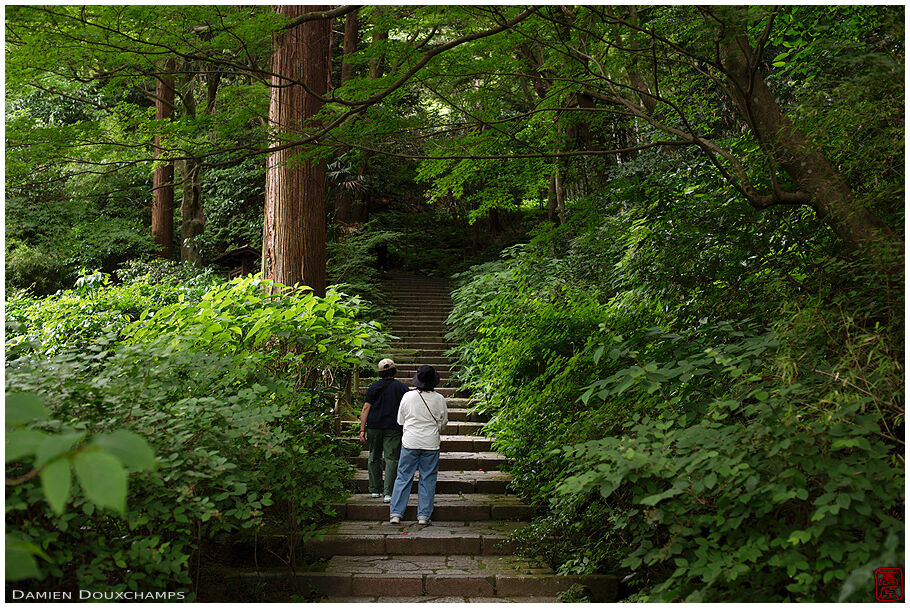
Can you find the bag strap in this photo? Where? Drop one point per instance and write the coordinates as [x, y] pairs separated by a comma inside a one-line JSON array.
[[428, 407]]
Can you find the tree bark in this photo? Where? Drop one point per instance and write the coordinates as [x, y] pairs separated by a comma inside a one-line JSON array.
[[551, 199], [294, 230], [163, 176], [560, 197], [343, 200], [192, 217], [379, 34], [351, 29]]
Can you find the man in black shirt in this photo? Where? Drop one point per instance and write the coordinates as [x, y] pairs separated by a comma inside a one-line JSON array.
[[379, 428]]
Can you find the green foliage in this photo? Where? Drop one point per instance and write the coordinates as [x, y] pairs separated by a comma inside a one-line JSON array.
[[100, 466], [702, 459], [353, 262], [50, 242], [232, 390]]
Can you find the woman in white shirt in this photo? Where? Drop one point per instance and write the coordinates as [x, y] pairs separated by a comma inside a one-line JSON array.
[[423, 414]]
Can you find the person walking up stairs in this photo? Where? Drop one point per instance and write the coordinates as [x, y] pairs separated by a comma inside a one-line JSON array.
[[464, 553]]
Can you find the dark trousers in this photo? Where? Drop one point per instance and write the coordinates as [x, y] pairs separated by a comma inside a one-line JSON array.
[[383, 445]]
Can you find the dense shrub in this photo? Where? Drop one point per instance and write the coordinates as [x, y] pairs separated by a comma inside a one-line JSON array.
[[233, 392], [702, 459]]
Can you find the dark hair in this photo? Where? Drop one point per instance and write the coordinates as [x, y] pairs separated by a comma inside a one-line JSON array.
[[388, 373]]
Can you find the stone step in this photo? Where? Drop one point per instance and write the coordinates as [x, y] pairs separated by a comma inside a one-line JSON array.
[[447, 443], [456, 414], [417, 576], [408, 370], [404, 332], [412, 323], [411, 358], [419, 355], [420, 344], [453, 482], [433, 304], [410, 538], [446, 507], [460, 414], [419, 304], [463, 428], [451, 461]]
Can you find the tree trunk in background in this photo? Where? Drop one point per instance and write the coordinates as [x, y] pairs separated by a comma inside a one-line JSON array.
[[191, 211], [560, 197], [193, 220], [163, 177], [351, 26], [827, 191], [361, 212], [294, 230], [351, 29], [379, 33], [551, 199]]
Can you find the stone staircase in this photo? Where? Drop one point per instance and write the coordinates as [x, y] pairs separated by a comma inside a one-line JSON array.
[[464, 555]]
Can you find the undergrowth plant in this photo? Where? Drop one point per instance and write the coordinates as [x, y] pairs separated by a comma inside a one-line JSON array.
[[232, 388], [701, 458]]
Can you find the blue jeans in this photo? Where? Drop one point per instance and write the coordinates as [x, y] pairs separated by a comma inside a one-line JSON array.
[[427, 461]]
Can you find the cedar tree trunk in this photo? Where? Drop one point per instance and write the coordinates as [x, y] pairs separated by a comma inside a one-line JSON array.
[[294, 230], [163, 176]]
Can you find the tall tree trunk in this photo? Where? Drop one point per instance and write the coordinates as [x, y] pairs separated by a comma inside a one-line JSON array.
[[560, 197], [361, 212], [380, 33], [343, 200], [191, 211], [193, 219], [551, 199], [294, 230], [163, 176], [351, 30]]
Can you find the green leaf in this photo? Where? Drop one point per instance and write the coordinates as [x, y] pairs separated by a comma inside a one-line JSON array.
[[132, 450], [20, 563], [23, 407], [56, 482], [21, 443], [102, 479], [54, 445]]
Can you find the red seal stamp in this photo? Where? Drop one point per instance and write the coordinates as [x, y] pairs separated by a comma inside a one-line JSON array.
[[889, 585]]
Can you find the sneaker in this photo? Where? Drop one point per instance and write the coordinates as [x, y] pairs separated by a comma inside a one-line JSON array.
[[387, 498], [423, 522], [394, 520], [375, 495]]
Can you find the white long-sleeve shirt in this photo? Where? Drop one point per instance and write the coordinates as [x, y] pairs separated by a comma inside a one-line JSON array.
[[421, 431]]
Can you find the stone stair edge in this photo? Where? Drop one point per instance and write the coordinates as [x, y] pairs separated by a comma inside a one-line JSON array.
[[410, 584]]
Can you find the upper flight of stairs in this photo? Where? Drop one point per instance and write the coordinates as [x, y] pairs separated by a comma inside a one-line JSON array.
[[464, 555]]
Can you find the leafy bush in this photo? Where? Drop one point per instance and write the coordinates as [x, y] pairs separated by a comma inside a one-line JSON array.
[[704, 460], [233, 393]]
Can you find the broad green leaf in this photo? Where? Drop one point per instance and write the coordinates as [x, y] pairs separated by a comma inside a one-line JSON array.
[[20, 563], [21, 443], [132, 450], [56, 482], [23, 407], [54, 445], [102, 478]]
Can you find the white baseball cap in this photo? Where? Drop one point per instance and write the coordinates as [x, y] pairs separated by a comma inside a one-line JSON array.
[[386, 364]]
